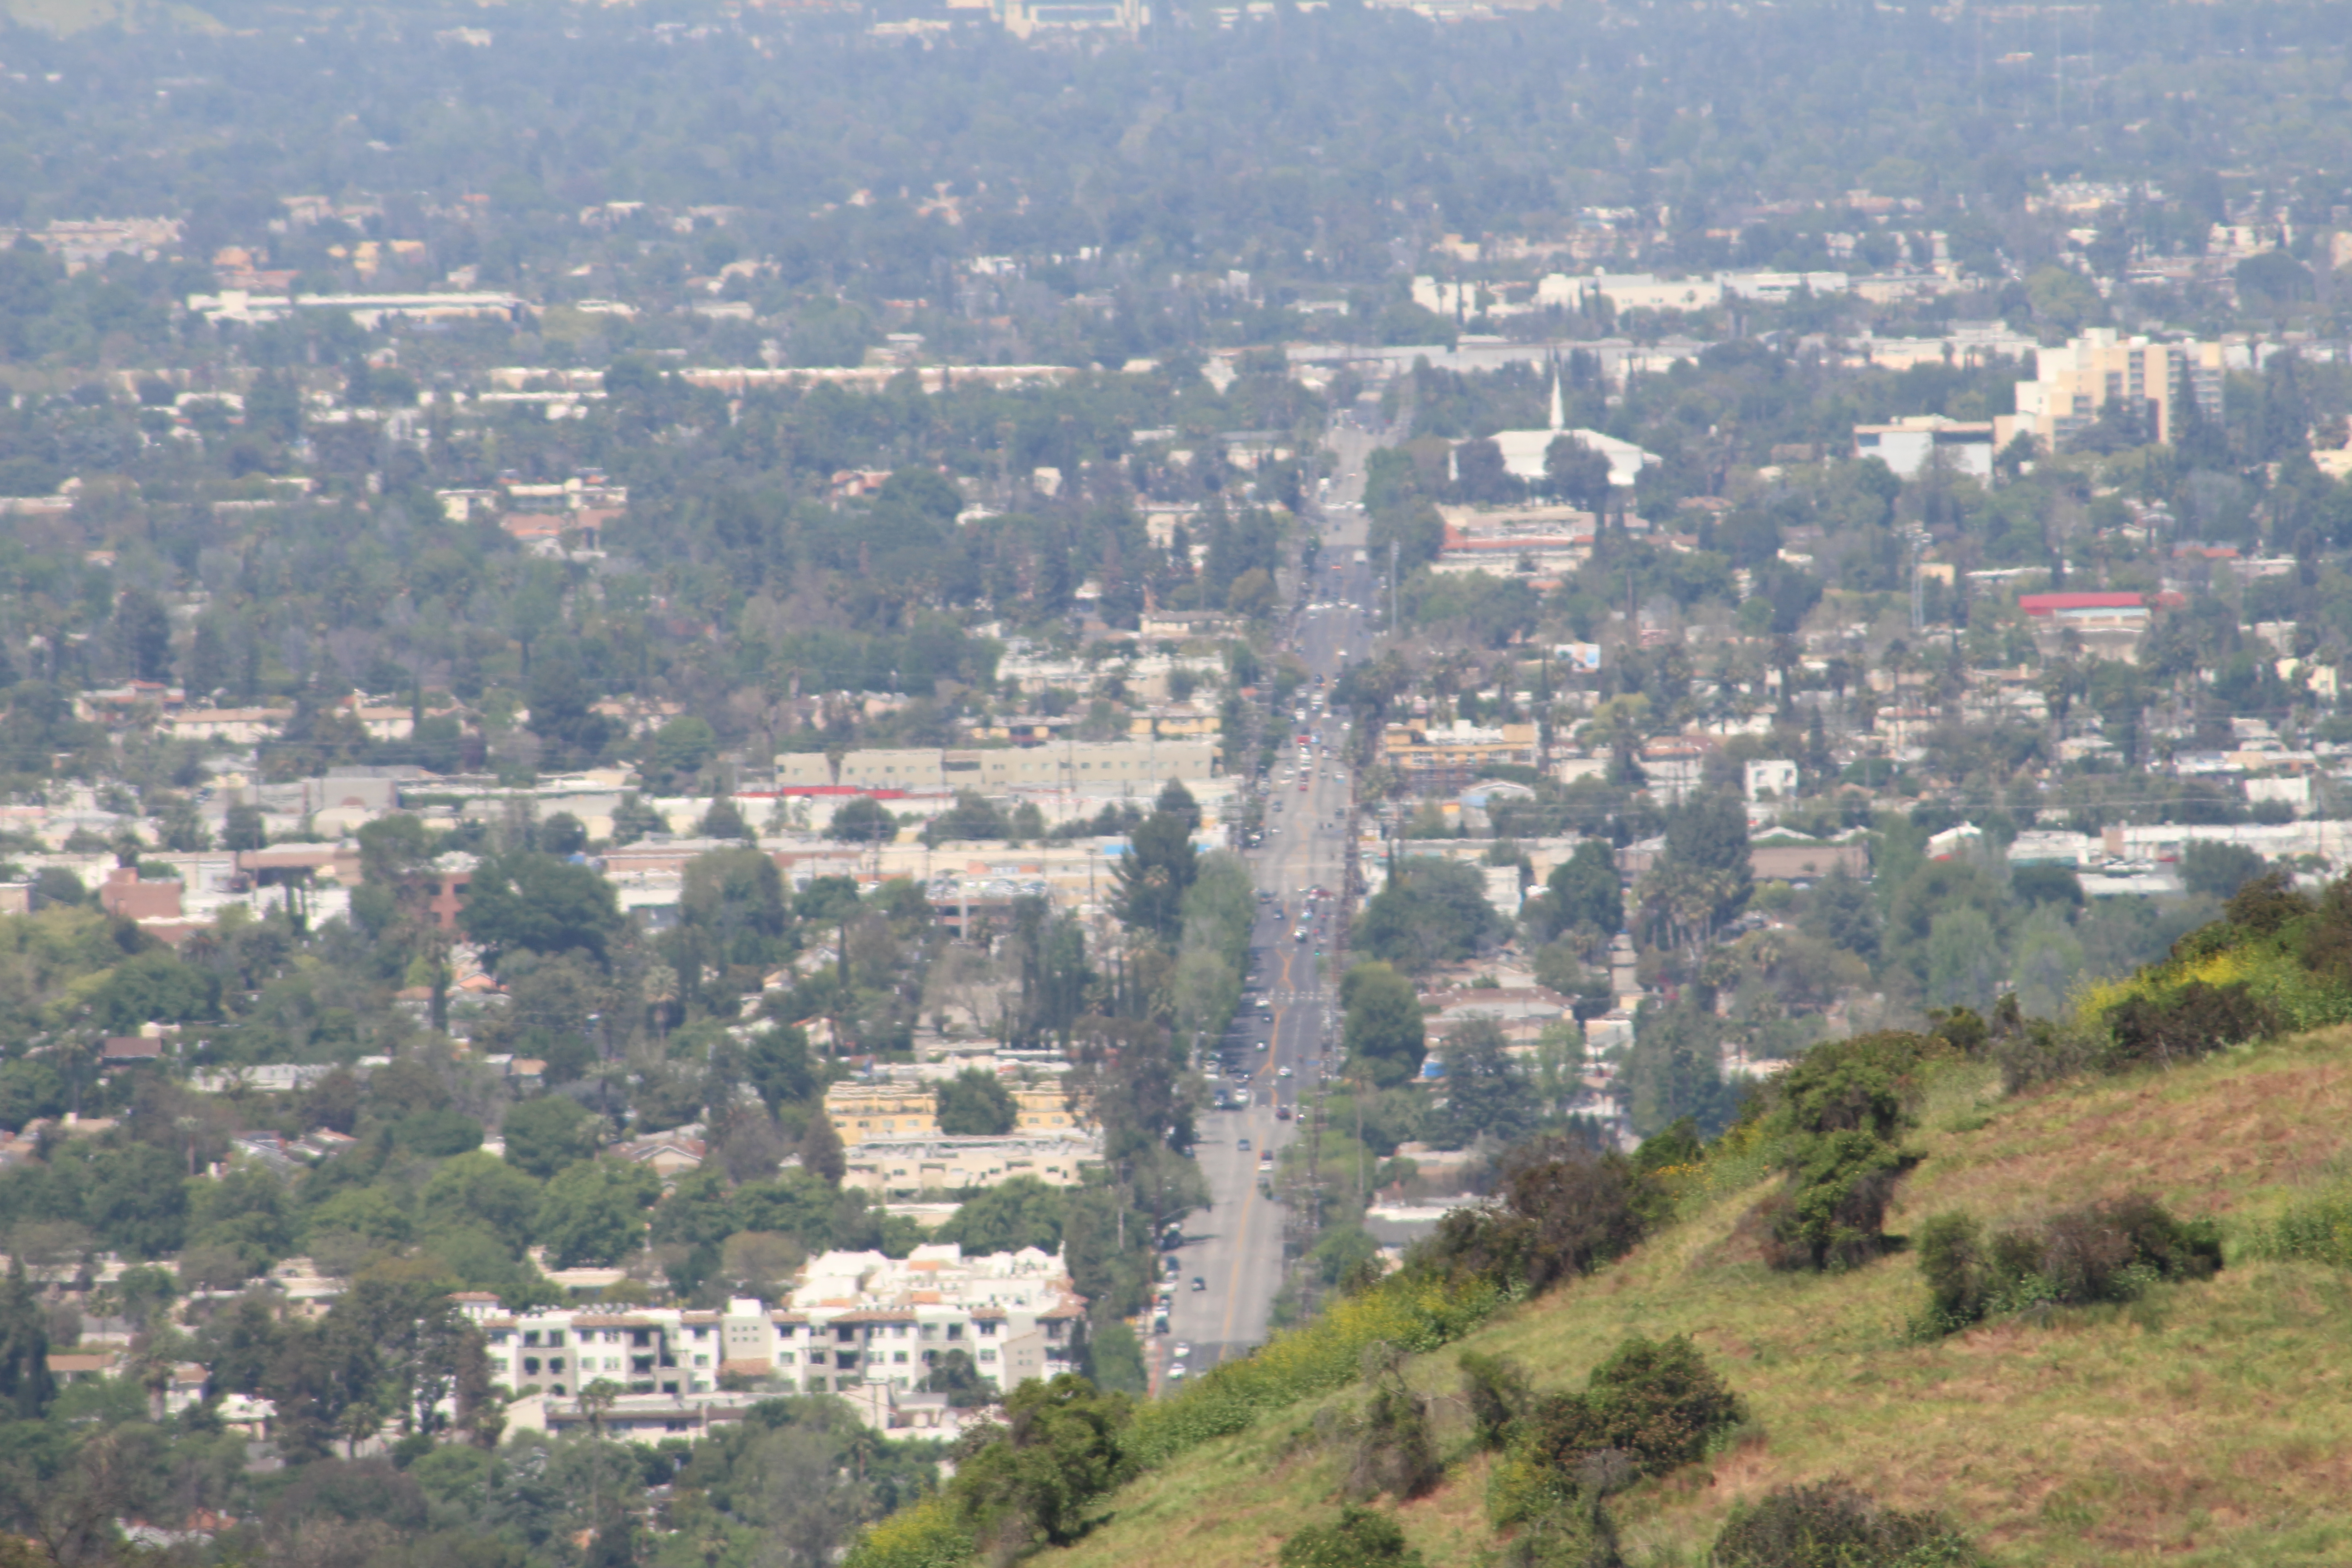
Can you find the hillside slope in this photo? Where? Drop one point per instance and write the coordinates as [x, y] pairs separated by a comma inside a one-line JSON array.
[[2205, 1423]]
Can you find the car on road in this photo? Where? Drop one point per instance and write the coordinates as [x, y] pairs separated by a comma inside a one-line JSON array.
[[1282, 1113], [1266, 1157], [1242, 1144], [1174, 1372], [1282, 1072], [1182, 1349], [1200, 1283]]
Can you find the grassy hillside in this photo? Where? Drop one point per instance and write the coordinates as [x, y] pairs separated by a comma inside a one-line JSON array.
[[2203, 1422]]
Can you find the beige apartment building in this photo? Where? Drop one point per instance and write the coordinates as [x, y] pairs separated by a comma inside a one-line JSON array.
[[862, 1112], [2075, 382], [904, 1167]]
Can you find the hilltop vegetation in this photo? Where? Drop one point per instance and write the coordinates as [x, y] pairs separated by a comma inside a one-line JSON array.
[[2080, 1314]]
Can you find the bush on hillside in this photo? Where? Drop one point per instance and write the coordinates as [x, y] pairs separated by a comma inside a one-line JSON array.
[[1833, 1526], [1576, 1534], [1361, 1538], [1565, 1211], [1036, 1485], [1865, 1084], [2193, 1021], [2107, 1251], [1389, 1444], [2044, 1052], [1651, 1406], [2277, 961], [2316, 1229], [1496, 1390], [1833, 1213], [1835, 1114]]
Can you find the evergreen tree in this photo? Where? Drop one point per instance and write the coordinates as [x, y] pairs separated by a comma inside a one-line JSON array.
[[26, 1386], [1156, 871]]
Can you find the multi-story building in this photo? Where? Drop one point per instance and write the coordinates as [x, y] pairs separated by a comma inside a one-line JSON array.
[[868, 1319], [909, 1167], [861, 1110], [1910, 444], [859, 1317], [1447, 756], [2077, 382], [561, 1350]]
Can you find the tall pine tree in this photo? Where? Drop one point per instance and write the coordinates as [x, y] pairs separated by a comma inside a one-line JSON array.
[[26, 1386]]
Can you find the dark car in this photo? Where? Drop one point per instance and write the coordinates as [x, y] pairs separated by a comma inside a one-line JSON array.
[[1199, 1283]]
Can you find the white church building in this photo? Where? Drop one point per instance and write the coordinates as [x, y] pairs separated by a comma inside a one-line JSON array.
[[1523, 451]]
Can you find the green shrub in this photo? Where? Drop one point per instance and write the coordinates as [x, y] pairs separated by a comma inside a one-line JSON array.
[[1951, 1259], [1563, 1213], [1361, 1538], [1496, 1392], [1834, 1212], [1389, 1445], [1859, 1085], [1652, 1406], [2318, 1229], [930, 1534], [2193, 1021], [2109, 1251], [1833, 1526], [1576, 1534], [1038, 1483], [2044, 1052]]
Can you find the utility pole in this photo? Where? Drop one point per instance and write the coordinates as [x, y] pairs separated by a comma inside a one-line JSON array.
[[1919, 586]]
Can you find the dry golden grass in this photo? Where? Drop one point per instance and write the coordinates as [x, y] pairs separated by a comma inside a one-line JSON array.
[[2207, 1424]]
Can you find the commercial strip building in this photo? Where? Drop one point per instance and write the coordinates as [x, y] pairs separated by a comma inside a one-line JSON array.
[[1138, 765]]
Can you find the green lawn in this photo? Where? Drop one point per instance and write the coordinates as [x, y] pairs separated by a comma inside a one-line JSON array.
[[2206, 1423]]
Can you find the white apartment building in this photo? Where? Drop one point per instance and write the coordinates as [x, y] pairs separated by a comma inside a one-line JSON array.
[[855, 1319], [860, 1318]]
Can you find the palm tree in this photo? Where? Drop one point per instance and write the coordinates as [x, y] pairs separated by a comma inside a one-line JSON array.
[[594, 1400]]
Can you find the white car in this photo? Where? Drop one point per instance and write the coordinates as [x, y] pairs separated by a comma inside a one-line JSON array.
[[1182, 1349], [1282, 1072]]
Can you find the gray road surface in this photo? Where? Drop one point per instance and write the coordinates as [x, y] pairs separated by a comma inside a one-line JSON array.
[[1235, 1248]]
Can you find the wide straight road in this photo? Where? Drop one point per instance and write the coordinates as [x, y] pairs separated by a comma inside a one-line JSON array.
[[1231, 1263]]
